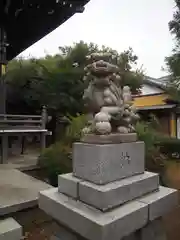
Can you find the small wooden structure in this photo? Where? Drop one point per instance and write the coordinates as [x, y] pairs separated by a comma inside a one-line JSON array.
[[21, 125]]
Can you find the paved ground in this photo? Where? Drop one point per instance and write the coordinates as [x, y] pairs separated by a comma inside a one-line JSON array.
[[27, 161], [18, 191], [22, 162], [36, 224]]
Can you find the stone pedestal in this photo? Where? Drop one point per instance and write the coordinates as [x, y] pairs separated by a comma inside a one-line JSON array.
[[10, 230], [101, 164], [109, 195], [152, 231]]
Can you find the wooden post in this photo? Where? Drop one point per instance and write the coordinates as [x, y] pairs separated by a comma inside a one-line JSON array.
[[173, 125], [43, 141], [43, 134], [3, 63], [4, 148], [23, 140], [44, 117]]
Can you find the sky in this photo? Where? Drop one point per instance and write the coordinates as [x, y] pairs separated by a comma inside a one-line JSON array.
[[119, 24]]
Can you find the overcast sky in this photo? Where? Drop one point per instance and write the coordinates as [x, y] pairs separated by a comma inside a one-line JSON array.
[[119, 24]]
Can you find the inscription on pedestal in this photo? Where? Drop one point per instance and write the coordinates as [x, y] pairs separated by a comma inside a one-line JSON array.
[[125, 159], [106, 163]]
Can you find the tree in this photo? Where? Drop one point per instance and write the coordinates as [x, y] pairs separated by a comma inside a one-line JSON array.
[[78, 52], [173, 61], [134, 79], [32, 84], [55, 82], [20, 79], [174, 24]]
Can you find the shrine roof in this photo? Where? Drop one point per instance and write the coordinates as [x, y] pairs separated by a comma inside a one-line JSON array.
[[27, 21]]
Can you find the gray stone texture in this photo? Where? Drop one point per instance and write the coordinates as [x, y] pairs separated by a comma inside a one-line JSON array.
[[18, 191], [105, 163], [91, 223], [63, 234], [109, 196], [10, 230], [133, 236], [160, 202], [69, 185], [109, 138], [113, 194], [154, 230]]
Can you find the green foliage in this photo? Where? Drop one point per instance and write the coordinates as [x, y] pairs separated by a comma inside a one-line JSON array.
[[55, 82], [74, 130], [76, 54], [154, 160], [56, 160], [174, 24], [21, 79], [132, 78], [146, 134], [173, 61], [35, 84], [170, 147]]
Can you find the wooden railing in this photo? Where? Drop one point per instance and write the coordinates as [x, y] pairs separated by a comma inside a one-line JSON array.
[[20, 122], [21, 125], [10, 121]]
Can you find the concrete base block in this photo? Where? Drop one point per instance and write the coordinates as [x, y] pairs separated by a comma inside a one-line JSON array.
[[113, 194], [69, 185], [91, 223], [10, 230], [160, 202], [63, 234], [102, 164], [133, 236], [154, 230], [111, 138]]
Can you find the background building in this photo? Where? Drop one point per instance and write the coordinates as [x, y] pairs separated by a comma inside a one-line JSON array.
[[155, 100]]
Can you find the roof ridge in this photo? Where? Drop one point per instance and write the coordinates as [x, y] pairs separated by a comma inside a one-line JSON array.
[[156, 82]]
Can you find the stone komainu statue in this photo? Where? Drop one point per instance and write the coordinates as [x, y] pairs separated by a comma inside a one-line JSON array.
[[109, 103]]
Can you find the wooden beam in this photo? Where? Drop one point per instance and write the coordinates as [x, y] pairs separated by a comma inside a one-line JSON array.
[[173, 125]]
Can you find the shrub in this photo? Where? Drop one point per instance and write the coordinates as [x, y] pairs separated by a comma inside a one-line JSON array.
[[57, 159], [170, 147], [154, 160], [73, 132]]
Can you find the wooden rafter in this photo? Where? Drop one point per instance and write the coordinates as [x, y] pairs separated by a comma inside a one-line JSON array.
[[27, 21]]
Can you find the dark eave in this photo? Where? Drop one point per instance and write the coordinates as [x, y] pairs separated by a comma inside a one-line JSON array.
[[27, 21]]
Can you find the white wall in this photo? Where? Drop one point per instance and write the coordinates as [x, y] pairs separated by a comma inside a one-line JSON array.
[[148, 90]]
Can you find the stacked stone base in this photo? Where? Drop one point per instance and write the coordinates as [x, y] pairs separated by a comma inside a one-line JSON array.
[[10, 230], [109, 195]]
